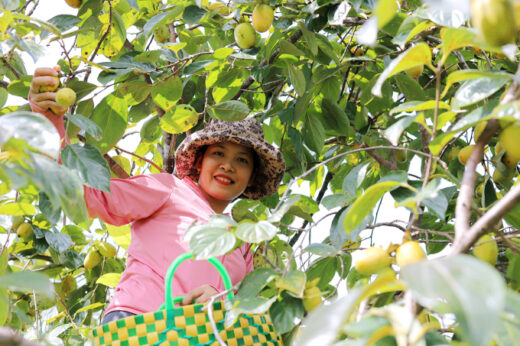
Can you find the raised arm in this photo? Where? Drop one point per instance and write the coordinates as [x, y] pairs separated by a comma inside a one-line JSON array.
[[44, 102]]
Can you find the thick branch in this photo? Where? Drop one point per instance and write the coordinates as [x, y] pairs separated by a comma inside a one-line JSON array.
[[115, 167], [465, 197], [487, 221]]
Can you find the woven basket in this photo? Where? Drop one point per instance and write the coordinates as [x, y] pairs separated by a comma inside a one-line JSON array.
[[187, 325]]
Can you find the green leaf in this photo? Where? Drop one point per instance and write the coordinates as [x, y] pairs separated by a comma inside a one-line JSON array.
[[463, 75], [322, 250], [286, 313], [192, 14], [418, 106], [293, 281], [314, 133], [506, 113], [385, 11], [513, 217], [471, 289], [121, 235], [58, 241], [89, 163], [394, 131], [86, 124], [111, 116], [179, 119], [229, 110], [211, 239], [36, 130], [254, 282], [76, 234], [162, 18], [26, 281], [135, 92], [4, 258], [336, 118], [297, 79], [409, 28], [3, 97], [455, 38], [365, 203], [477, 89], [71, 259], [463, 124], [309, 38], [256, 232], [110, 279], [287, 47], [17, 208], [417, 55], [324, 324], [63, 187], [4, 306], [166, 93]]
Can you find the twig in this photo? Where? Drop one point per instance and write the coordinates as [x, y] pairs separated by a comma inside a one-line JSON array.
[[209, 307], [141, 158]]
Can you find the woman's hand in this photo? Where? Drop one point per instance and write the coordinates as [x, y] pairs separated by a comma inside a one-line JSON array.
[[46, 77], [202, 294]]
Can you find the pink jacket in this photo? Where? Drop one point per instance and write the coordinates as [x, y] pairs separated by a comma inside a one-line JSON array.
[[160, 207]]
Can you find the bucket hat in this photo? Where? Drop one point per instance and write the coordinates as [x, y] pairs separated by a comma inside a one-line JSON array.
[[247, 132]]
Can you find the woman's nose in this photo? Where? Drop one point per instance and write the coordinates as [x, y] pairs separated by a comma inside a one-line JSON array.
[[226, 166]]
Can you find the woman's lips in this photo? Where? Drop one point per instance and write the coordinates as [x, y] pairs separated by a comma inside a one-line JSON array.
[[223, 179]]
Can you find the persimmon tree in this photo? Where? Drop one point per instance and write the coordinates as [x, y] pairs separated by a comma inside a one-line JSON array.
[[366, 99]]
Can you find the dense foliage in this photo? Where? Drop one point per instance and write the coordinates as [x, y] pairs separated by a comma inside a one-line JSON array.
[[365, 98]]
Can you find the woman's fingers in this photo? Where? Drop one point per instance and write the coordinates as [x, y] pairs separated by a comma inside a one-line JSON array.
[[202, 294]]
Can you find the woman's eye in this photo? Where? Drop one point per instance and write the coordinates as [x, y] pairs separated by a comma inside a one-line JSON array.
[[218, 153], [243, 160]]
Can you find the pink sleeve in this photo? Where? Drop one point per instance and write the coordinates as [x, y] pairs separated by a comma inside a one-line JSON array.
[[130, 199], [56, 120]]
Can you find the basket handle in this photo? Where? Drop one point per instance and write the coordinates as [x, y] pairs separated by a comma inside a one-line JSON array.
[[171, 270]]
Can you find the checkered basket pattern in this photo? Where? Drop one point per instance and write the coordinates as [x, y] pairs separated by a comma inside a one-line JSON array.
[[187, 325]]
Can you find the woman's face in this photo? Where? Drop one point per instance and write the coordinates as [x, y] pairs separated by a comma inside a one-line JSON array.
[[226, 170]]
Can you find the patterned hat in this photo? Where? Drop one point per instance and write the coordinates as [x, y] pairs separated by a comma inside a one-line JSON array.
[[246, 132]]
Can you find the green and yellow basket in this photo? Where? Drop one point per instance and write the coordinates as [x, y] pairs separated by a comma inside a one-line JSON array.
[[187, 325]]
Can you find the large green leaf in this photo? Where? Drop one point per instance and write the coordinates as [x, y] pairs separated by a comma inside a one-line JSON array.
[[58, 241], [89, 163], [324, 324], [166, 93], [33, 128], [471, 289], [463, 75], [179, 119], [286, 313], [478, 89], [297, 79], [90, 127], [365, 203], [211, 239], [254, 282], [229, 110], [314, 133], [26, 281], [111, 116], [251, 232], [63, 187]]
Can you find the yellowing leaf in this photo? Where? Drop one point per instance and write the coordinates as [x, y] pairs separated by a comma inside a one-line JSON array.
[[120, 235], [417, 55], [17, 208], [110, 280]]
